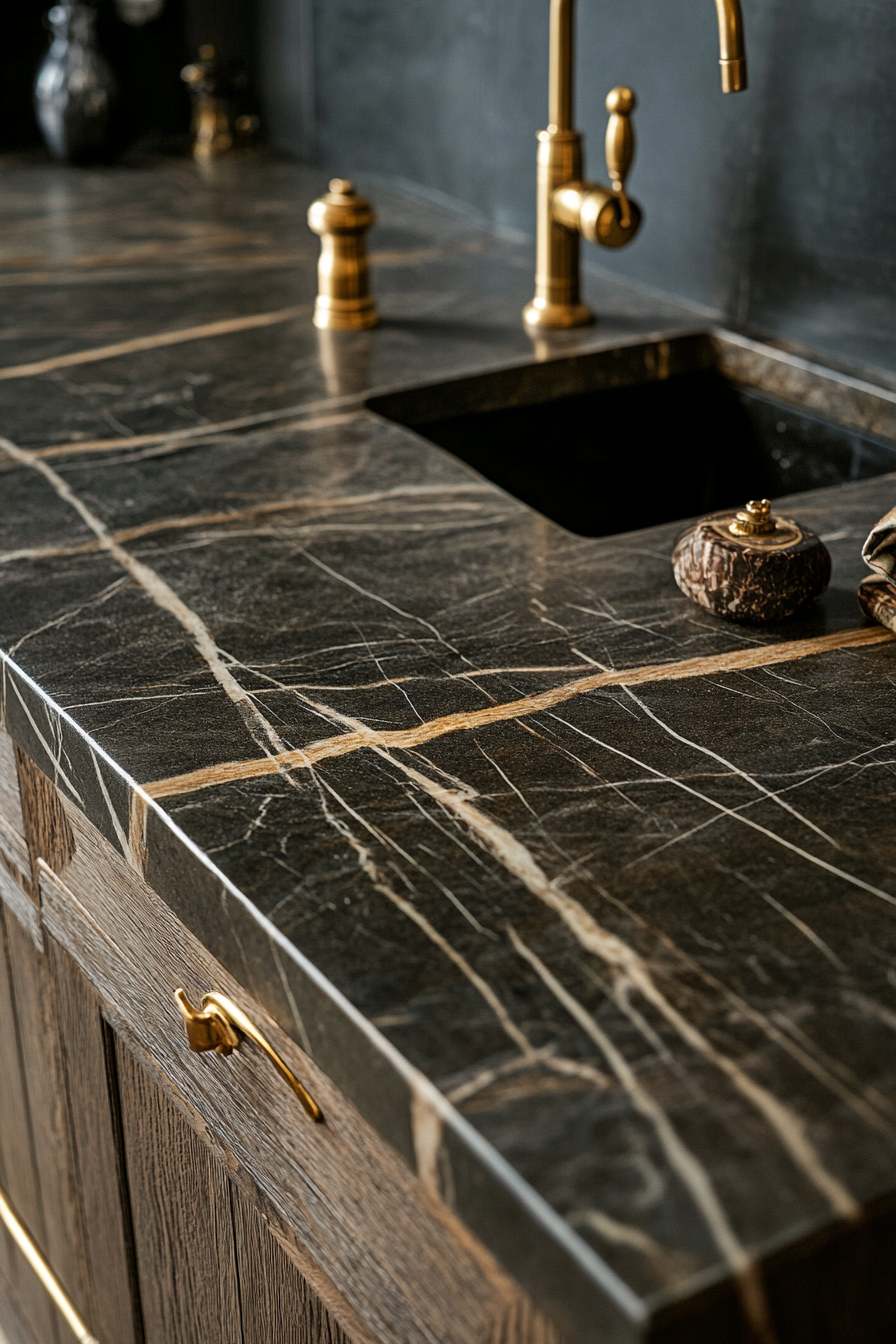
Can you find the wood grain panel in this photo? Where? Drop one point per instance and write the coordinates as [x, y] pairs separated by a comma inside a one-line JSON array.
[[18, 1169], [42, 1113], [19, 903], [16, 1146], [63, 1235], [47, 832], [17, 888], [278, 1306], [14, 1328], [12, 830], [115, 1316], [183, 1226]]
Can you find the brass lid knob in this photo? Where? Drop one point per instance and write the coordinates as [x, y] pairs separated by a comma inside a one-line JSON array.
[[755, 520], [341, 210]]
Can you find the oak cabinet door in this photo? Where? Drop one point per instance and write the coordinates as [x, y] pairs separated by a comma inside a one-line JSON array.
[[25, 1307], [183, 1225], [59, 1157], [210, 1271]]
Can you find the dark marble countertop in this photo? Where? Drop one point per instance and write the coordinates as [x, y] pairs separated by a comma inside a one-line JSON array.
[[585, 898]]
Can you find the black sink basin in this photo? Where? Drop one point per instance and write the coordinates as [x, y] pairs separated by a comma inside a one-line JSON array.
[[638, 450]]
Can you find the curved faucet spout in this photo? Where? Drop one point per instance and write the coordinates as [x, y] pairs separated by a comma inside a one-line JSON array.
[[732, 57], [732, 50], [570, 208]]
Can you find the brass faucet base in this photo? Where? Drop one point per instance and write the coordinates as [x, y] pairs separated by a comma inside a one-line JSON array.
[[543, 313], [569, 208], [557, 301]]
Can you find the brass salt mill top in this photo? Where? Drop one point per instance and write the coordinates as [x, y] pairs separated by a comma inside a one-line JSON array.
[[342, 218]]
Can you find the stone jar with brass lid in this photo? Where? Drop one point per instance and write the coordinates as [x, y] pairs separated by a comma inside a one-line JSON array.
[[749, 565]]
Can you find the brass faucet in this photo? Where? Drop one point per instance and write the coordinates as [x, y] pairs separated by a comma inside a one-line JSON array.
[[568, 207]]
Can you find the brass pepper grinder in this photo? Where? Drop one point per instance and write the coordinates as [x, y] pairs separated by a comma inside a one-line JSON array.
[[342, 218], [750, 565]]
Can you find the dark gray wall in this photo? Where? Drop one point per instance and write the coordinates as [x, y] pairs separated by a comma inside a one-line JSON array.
[[776, 207]]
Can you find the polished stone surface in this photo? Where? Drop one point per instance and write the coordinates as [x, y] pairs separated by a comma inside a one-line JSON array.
[[447, 787]]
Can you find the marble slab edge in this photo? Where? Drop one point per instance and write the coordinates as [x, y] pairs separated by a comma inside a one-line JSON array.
[[563, 368], [567, 367], [566, 1278]]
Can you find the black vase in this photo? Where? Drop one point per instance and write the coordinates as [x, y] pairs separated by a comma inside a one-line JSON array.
[[75, 90]]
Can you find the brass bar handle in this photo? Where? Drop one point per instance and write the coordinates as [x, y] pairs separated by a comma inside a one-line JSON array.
[[48, 1279], [219, 1023]]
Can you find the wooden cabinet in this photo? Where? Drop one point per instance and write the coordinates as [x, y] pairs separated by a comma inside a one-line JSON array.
[[141, 1224], [208, 1267], [59, 1160], [185, 1198]]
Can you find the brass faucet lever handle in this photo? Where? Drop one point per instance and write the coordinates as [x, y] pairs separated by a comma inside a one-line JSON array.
[[620, 144], [604, 215]]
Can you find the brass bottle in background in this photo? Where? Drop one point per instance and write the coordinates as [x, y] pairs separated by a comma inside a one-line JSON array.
[[211, 120], [216, 91]]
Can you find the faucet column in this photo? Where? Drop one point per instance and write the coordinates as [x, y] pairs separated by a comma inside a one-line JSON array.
[[557, 302]]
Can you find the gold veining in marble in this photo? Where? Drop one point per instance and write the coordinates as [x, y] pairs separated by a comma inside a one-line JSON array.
[[739, 660]]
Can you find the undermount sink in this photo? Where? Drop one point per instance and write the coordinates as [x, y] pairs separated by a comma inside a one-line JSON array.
[[656, 431]]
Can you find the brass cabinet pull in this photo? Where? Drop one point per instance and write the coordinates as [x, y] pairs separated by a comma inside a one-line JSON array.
[[217, 1024], [43, 1271]]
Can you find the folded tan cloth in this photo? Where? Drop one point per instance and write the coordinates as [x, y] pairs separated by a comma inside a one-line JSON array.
[[877, 593]]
